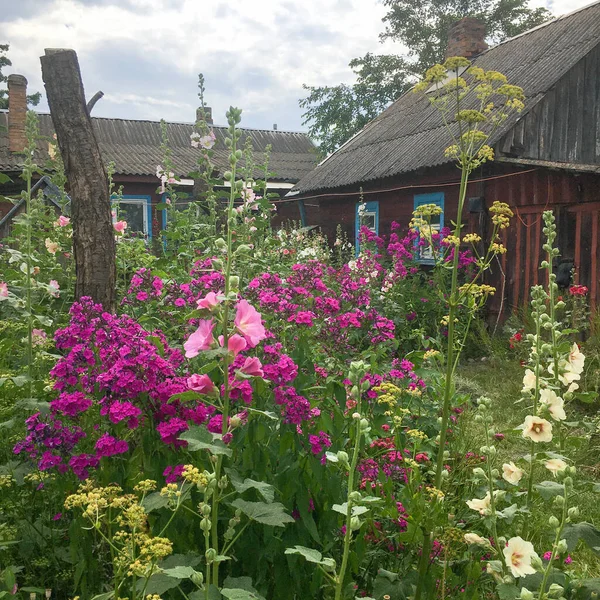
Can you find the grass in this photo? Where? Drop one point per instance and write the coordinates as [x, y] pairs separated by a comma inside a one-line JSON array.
[[501, 380]]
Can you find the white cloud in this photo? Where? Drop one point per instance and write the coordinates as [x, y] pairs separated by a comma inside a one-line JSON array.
[[145, 54]]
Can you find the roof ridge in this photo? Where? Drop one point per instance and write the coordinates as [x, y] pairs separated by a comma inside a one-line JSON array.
[[542, 25]]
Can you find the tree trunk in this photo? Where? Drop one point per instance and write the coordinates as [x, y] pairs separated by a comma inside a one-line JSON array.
[[93, 233]]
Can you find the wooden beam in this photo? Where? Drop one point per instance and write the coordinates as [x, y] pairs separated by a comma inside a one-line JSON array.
[[93, 232]]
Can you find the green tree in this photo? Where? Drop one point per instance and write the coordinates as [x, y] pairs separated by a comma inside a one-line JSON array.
[[33, 99], [335, 113]]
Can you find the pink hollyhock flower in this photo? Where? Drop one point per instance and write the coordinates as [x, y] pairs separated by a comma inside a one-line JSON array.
[[252, 366], [209, 301], [3, 291], [120, 226], [38, 336], [51, 246], [248, 322], [53, 288], [201, 339], [201, 384], [62, 221], [236, 343]]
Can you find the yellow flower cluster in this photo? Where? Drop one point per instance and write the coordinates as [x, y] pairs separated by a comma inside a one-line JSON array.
[[477, 291], [95, 501], [434, 493], [445, 320], [193, 475], [501, 214], [431, 354], [427, 210], [388, 394], [416, 392], [417, 434], [497, 248], [38, 477], [145, 486], [452, 240], [472, 238], [6, 481], [140, 552], [170, 491]]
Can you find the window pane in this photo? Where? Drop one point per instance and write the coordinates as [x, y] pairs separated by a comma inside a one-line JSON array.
[[368, 220], [134, 215]]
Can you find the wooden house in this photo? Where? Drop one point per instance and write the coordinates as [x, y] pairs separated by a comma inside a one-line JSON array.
[[546, 157], [134, 146]]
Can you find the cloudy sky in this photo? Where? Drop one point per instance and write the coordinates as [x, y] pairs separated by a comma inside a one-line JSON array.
[[256, 54]]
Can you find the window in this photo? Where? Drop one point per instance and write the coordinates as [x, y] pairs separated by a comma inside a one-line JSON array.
[[437, 221], [366, 215], [137, 211]]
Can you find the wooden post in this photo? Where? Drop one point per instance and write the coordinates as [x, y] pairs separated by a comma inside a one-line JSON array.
[[93, 232]]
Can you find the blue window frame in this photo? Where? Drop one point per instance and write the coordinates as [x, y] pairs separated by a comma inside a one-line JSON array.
[[437, 222], [369, 218], [137, 211]]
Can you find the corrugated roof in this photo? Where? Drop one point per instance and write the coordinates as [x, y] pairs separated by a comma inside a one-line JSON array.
[[134, 147], [410, 134]]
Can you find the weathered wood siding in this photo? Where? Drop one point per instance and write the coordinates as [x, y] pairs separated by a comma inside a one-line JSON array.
[[565, 124]]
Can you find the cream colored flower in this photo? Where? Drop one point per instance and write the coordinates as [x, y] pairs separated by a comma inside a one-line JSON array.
[[554, 403], [566, 375], [517, 555], [537, 429], [512, 473], [482, 506], [51, 246], [555, 465], [572, 388], [576, 359], [473, 538], [529, 380]]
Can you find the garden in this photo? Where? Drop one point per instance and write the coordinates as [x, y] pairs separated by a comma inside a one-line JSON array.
[[268, 416]]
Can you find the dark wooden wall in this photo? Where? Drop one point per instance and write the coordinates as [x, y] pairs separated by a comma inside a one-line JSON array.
[[563, 126]]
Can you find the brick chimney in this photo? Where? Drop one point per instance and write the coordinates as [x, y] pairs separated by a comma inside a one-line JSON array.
[[17, 112], [207, 114], [466, 38]]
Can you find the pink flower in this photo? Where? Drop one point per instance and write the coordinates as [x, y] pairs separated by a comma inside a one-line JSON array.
[[248, 322], [201, 384], [38, 336], [3, 291], [253, 367], [236, 343], [120, 226], [62, 221], [53, 288], [209, 301], [201, 339]]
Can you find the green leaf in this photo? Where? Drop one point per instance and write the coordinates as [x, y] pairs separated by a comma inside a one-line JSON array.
[[181, 560], [239, 594], [311, 555], [199, 438], [507, 591], [264, 489], [268, 514], [180, 572], [241, 583], [549, 489], [572, 533], [356, 510], [157, 343], [154, 501], [159, 583], [105, 596]]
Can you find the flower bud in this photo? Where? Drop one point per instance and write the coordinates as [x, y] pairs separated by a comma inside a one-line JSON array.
[[210, 555], [536, 563], [235, 421], [227, 175], [356, 416], [479, 472], [205, 509], [355, 523], [355, 496], [364, 424], [234, 282], [526, 594], [562, 546], [559, 501], [221, 244], [197, 578], [574, 512], [205, 524], [553, 522], [555, 590], [342, 457]]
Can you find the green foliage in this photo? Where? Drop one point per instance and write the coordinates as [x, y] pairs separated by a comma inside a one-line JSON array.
[[335, 113], [32, 99]]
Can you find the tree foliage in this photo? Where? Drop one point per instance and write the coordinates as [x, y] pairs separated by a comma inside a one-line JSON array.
[[33, 99], [335, 113]]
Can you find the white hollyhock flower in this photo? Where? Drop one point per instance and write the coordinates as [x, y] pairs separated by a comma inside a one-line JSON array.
[[473, 538], [537, 429], [554, 403], [482, 506], [512, 473], [529, 380], [555, 465], [517, 555], [576, 359], [566, 375]]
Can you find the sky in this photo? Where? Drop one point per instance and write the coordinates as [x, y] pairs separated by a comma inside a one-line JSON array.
[[145, 55]]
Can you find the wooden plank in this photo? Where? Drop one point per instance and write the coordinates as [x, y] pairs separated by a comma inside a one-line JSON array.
[[577, 246], [584, 207], [517, 262], [594, 262], [528, 233], [590, 107], [536, 251]]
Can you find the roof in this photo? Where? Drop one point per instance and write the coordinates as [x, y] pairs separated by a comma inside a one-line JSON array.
[[410, 134], [134, 147]]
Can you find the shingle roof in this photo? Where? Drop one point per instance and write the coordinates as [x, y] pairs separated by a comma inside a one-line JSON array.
[[134, 147], [410, 134]]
